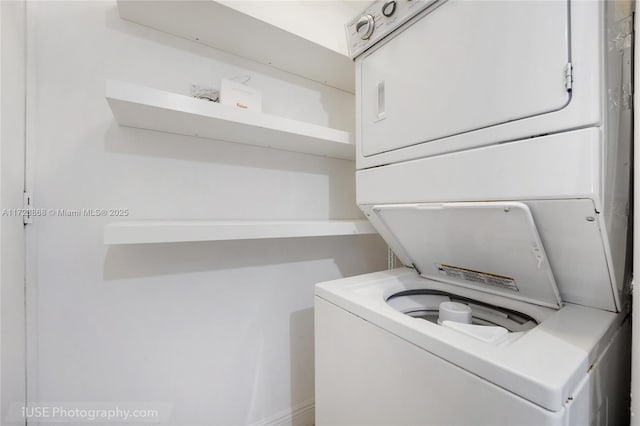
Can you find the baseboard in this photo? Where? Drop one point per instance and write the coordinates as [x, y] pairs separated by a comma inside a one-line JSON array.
[[302, 414]]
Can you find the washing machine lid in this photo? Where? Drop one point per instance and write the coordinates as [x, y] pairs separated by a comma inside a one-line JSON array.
[[493, 246]]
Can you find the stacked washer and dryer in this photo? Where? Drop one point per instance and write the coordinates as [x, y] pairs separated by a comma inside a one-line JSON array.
[[493, 156]]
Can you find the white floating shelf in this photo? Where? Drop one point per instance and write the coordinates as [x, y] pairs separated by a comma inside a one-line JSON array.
[[146, 108], [228, 29], [157, 231]]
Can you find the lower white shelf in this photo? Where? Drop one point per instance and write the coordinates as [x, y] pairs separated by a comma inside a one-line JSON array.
[[173, 231]]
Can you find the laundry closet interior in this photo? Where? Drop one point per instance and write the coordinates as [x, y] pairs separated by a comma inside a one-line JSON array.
[[318, 212]]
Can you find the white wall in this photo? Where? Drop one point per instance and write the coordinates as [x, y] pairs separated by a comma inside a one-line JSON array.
[[220, 331], [12, 127]]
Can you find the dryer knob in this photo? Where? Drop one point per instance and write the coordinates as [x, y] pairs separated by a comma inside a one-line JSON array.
[[389, 8], [365, 26]]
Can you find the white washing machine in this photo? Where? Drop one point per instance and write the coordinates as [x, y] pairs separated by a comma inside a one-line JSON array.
[[381, 360], [493, 143]]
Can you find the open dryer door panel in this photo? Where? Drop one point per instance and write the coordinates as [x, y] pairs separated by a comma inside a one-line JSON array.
[[432, 80], [493, 247]]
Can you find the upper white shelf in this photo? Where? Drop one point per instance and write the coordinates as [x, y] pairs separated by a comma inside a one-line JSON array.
[[146, 108], [229, 29], [173, 231]]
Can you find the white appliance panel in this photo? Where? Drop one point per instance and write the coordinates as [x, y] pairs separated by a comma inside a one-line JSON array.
[[420, 87], [578, 252], [564, 165]]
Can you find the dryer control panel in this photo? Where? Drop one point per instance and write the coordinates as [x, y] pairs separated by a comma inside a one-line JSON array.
[[380, 19]]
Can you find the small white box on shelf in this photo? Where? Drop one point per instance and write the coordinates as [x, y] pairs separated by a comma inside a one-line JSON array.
[[240, 96]]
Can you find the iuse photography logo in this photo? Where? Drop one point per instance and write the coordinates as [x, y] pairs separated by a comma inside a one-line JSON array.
[[91, 412]]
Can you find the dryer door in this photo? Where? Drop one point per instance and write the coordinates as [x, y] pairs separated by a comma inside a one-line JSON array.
[[463, 66]]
